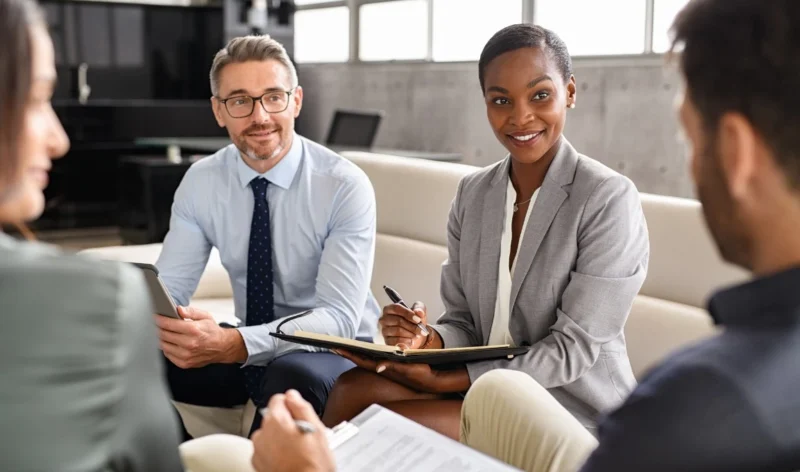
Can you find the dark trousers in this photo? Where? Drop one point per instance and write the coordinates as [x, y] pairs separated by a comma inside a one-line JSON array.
[[222, 385]]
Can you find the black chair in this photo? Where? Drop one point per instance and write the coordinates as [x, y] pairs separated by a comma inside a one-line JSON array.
[[354, 128]]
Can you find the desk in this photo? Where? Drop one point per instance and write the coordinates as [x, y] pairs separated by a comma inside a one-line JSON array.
[[212, 145]]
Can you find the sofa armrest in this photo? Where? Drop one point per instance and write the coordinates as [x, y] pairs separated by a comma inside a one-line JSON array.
[[214, 282]]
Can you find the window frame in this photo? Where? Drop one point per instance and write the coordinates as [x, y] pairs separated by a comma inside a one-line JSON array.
[[528, 16]]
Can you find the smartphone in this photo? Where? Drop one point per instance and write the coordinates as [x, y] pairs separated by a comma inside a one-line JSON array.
[[162, 301]]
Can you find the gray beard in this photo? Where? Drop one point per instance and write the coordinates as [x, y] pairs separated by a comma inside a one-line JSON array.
[[263, 157]]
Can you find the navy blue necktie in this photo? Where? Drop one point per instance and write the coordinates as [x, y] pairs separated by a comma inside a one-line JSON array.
[[259, 281]]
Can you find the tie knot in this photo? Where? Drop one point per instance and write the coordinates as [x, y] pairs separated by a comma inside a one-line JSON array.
[[259, 186]]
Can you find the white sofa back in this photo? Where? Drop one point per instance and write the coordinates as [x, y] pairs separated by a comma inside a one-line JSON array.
[[414, 198]]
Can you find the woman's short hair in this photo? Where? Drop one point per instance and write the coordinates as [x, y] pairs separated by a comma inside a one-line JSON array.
[[522, 36]]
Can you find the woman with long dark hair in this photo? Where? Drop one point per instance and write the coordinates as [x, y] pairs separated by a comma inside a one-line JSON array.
[[82, 386]]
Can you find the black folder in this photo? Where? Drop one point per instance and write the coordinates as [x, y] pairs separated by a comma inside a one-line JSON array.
[[442, 358]]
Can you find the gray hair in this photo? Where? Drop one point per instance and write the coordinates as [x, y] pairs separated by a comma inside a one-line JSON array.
[[250, 48]]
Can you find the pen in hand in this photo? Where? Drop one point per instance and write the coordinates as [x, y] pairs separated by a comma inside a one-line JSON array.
[[396, 298]]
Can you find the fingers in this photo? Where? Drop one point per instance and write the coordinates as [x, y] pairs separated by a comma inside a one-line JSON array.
[[394, 341], [397, 322], [421, 310], [176, 354], [357, 360], [176, 326], [175, 338], [191, 313], [301, 409], [401, 311], [277, 411]]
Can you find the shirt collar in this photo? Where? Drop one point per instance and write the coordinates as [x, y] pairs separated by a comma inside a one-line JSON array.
[[771, 299], [282, 174]]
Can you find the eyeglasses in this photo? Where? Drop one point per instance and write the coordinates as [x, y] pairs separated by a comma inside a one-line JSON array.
[[243, 106]]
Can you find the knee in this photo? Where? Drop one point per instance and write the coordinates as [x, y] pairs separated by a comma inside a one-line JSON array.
[[349, 393], [492, 394], [299, 373], [349, 385]]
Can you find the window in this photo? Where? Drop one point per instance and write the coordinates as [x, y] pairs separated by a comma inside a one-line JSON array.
[[664, 12], [393, 31], [462, 27], [595, 27], [322, 35]]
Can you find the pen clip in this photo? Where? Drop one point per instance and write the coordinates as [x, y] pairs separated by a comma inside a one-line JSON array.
[[291, 318]]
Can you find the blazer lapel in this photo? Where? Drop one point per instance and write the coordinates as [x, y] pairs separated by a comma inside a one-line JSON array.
[[491, 235], [551, 196]]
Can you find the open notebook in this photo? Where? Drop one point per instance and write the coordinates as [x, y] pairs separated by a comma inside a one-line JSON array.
[[439, 357], [379, 440]]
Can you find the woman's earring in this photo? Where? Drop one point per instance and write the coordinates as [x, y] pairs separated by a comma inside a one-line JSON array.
[[572, 105]]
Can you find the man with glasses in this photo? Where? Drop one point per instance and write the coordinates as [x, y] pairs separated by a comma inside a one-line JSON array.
[[294, 224]]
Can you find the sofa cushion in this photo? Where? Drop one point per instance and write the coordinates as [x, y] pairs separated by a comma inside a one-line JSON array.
[[412, 268], [413, 195], [655, 328], [685, 266]]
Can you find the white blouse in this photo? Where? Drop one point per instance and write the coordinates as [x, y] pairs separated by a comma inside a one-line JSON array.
[[500, 333]]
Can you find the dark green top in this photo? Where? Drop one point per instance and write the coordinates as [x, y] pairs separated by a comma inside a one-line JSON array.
[[82, 385]]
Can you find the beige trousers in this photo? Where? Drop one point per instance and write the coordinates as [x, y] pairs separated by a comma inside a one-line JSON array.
[[217, 453], [509, 416]]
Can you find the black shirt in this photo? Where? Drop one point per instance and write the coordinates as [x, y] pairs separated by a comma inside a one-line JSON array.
[[729, 403]]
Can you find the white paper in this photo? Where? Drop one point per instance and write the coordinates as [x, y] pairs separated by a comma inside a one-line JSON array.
[[389, 442]]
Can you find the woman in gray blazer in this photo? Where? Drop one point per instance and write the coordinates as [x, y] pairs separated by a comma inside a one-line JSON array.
[[547, 249], [82, 386]]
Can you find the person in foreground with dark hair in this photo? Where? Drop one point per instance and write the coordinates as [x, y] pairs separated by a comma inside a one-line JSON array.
[[82, 386], [730, 403], [547, 248]]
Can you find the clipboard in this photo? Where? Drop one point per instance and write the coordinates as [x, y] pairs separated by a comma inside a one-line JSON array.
[[441, 358]]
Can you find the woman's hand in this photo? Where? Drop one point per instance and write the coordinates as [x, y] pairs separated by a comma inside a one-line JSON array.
[[419, 377], [279, 446], [399, 325]]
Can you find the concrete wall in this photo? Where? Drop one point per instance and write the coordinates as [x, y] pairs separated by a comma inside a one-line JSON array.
[[624, 117]]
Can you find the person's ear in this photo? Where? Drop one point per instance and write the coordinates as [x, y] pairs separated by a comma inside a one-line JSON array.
[[217, 108], [737, 147], [572, 92], [298, 100]]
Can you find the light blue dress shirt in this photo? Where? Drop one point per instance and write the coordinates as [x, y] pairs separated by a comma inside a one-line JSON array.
[[322, 214]]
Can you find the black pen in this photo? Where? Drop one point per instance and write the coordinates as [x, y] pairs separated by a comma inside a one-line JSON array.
[[396, 298]]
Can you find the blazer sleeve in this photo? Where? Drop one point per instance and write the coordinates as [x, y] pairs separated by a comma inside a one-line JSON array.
[[456, 325], [613, 253], [147, 430]]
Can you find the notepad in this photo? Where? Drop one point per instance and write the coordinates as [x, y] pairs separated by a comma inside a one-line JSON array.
[[438, 357]]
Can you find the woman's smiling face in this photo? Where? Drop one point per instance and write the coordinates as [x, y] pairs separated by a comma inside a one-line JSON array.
[[526, 102]]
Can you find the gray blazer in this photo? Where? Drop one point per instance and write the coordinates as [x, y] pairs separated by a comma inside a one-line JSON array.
[[581, 262], [82, 386]]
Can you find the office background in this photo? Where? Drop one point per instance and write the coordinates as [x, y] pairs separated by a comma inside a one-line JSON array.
[[133, 77]]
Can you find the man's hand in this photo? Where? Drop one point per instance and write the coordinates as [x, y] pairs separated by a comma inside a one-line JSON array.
[[420, 377], [279, 446], [197, 340]]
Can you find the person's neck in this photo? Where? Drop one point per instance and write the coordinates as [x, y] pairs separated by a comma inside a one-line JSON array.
[[775, 243], [265, 165], [526, 178]]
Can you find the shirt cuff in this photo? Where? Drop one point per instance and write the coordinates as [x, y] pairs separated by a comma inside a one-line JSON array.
[[259, 344]]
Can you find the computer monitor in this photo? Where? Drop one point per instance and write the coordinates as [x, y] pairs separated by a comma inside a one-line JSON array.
[[354, 128]]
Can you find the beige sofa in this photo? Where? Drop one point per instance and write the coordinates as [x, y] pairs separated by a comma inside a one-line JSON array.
[[413, 199]]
